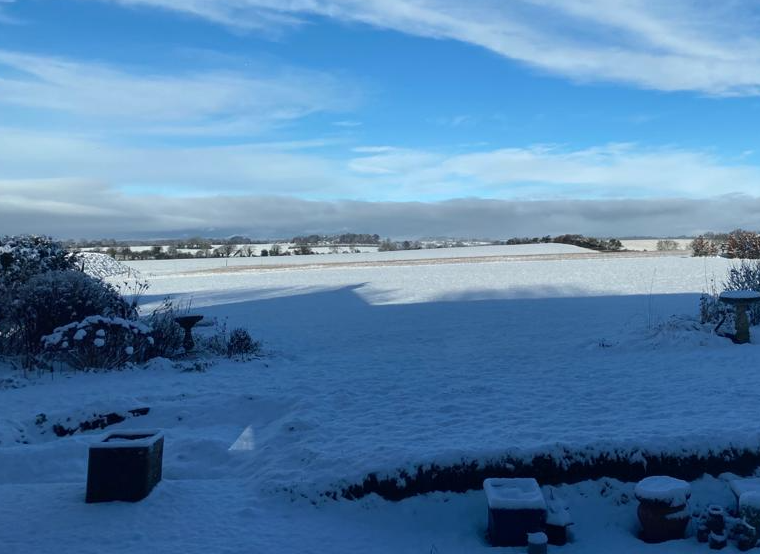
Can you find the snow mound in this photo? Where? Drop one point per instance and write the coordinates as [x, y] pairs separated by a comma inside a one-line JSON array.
[[103, 266], [663, 489], [741, 486], [750, 499]]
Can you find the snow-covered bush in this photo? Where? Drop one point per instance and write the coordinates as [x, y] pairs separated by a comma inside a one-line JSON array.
[[99, 342], [55, 298], [743, 244], [235, 344], [167, 333], [23, 256], [744, 276], [703, 247], [240, 344]]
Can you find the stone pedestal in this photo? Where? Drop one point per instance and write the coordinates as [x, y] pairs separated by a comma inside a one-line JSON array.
[[124, 466], [516, 508]]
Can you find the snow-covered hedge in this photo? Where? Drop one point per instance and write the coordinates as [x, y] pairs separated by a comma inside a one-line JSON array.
[[99, 342]]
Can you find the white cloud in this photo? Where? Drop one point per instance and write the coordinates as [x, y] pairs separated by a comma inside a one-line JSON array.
[[216, 102], [613, 170], [266, 168], [304, 169], [705, 46]]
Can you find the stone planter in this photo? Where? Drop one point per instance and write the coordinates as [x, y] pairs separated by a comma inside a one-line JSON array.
[[663, 508], [516, 508], [124, 466]]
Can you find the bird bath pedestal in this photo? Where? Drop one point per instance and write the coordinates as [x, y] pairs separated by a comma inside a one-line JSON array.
[[740, 300], [187, 322]]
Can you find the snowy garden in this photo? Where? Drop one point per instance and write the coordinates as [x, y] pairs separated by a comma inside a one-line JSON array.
[[360, 407]]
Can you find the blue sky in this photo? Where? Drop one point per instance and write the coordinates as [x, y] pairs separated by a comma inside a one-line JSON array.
[[115, 105]]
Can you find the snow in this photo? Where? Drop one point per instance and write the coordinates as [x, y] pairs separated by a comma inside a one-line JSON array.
[[741, 486], [172, 267], [750, 499], [103, 265], [130, 439], [740, 294], [537, 538], [514, 494], [379, 369], [663, 489], [651, 244]]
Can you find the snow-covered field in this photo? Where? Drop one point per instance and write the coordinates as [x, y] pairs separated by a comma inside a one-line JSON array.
[[171, 267], [650, 245], [382, 368]]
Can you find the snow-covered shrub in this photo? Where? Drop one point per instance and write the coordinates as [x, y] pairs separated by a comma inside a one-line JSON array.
[[703, 247], [99, 342], [23, 256], [743, 244], [167, 333], [52, 299], [240, 344], [221, 342], [744, 276]]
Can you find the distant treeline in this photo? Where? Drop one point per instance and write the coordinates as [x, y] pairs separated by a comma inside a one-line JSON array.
[[201, 243], [195, 243], [592, 243], [345, 238]]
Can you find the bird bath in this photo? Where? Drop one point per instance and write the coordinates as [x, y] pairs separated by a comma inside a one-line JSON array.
[[740, 300], [187, 322]]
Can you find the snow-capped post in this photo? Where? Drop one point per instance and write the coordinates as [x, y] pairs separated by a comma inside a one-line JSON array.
[[516, 508], [663, 508], [124, 466], [187, 322], [740, 300]]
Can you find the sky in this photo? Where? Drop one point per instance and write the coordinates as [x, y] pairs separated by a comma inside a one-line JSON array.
[[406, 118]]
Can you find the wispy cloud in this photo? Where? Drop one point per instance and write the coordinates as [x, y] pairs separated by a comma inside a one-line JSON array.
[[612, 170], [302, 168], [219, 102], [5, 17], [347, 123], [710, 47]]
